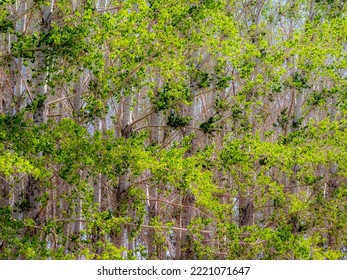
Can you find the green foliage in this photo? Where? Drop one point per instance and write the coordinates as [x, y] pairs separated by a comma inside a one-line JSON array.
[[176, 121], [209, 126], [249, 183], [169, 96]]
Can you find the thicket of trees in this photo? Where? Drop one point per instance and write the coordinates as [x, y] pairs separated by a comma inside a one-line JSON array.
[[161, 129]]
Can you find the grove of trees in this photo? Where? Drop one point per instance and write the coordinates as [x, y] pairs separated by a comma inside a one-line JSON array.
[[161, 129]]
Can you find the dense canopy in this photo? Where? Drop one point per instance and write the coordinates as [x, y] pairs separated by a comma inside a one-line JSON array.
[[161, 129]]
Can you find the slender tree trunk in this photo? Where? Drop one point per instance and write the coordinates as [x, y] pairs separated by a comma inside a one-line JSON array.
[[183, 238], [42, 67], [123, 183], [77, 103], [10, 102], [246, 210], [4, 191], [333, 183], [126, 121], [154, 250], [155, 138], [98, 179], [298, 108], [33, 190], [10, 93]]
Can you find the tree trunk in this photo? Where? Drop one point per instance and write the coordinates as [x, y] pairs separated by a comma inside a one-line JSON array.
[[154, 249], [183, 238], [42, 67], [33, 190], [123, 184], [10, 102]]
